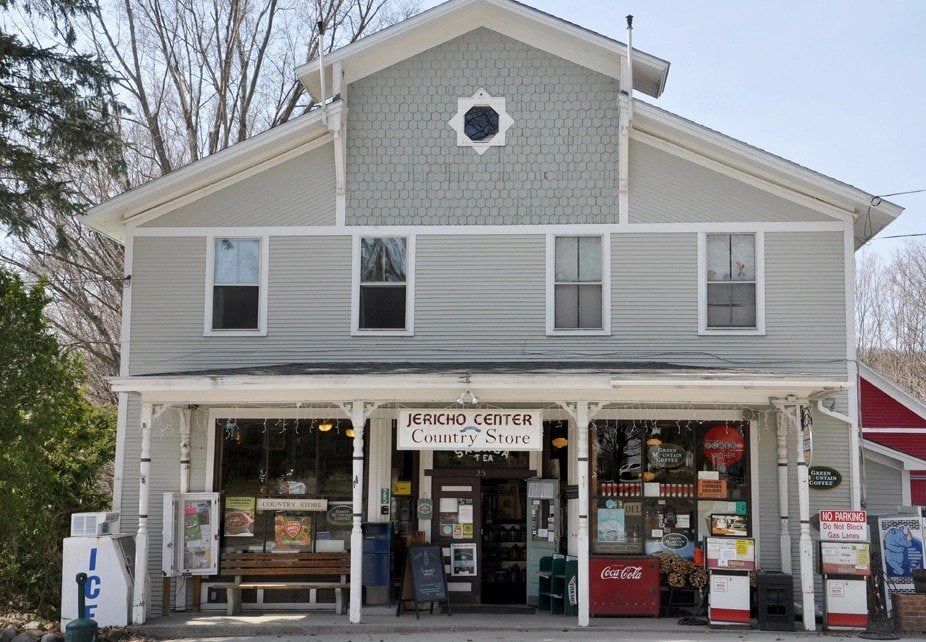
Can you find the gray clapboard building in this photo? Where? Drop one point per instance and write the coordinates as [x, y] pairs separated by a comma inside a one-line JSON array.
[[481, 216]]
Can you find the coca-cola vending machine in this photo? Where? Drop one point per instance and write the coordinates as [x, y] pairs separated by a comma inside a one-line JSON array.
[[624, 586]]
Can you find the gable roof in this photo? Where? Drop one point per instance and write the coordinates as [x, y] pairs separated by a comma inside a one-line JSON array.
[[457, 17], [904, 410], [776, 174], [200, 178]]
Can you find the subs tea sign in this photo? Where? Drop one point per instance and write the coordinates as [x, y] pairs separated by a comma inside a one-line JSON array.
[[470, 430]]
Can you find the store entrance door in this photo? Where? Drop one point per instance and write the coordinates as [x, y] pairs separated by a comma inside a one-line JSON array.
[[504, 542], [456, 526]]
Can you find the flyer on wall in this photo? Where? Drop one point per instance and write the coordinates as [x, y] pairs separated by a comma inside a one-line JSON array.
[[901, 550], [239, 517], [463, 560]]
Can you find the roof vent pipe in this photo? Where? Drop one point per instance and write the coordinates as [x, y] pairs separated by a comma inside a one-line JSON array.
[[630, 67], [321, 67]]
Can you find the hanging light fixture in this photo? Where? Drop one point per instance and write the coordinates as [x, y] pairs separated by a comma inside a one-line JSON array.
[[462, 399], [560, 442], [325, 426], [349, 432]]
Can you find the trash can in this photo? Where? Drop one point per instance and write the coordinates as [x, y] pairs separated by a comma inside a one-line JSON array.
[[775, 601], [377, 551]]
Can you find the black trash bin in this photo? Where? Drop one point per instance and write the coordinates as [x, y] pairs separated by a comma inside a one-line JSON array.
[[775, 601]]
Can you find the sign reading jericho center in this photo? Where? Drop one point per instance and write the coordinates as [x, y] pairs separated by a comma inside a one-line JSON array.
[[456, 429]]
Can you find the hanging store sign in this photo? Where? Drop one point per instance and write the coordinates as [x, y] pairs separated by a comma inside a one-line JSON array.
[[823, 477], [430, 429], [273, 503]]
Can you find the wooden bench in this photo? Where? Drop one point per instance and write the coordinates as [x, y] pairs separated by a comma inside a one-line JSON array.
[[333, 568]]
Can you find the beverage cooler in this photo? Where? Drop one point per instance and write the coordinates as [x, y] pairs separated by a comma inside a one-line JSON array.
[[108, 560], [729, 561], [624, 586], [845, 567]]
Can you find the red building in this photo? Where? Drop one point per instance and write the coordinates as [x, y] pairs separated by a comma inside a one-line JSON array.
[[894, 430]]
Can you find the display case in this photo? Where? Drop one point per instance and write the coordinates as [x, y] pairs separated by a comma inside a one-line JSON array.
[[191, 534]]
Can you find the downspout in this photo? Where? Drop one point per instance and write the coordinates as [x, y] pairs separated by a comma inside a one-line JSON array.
[[625, 117], [854, 451], [321, 67]]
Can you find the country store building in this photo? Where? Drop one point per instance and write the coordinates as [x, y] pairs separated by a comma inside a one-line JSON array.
[[481, 263]]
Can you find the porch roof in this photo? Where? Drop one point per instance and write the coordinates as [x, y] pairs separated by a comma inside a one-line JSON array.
[[496, 382]]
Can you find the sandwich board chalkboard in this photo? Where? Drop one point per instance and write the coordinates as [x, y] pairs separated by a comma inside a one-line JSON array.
[[423, 580]]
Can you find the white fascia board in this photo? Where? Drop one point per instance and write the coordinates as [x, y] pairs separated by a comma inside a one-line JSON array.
[[891, 389], [457, 17], [110, 216], [907, 462], [445, 388], [744, 157]]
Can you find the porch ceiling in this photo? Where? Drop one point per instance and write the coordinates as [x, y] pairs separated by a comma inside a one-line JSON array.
[[493, 382]]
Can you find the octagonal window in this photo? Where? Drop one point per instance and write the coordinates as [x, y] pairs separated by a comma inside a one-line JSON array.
[[480, 123]]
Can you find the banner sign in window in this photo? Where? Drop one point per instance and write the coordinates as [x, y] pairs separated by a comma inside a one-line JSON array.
[[273, 503], [469, 430]]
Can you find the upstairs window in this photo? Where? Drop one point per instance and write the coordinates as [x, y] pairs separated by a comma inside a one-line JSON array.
[[383, 301], [236, 298], [580, 288], [731, 276]]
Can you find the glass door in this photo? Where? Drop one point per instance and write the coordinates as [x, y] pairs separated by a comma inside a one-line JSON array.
[[457, 527]]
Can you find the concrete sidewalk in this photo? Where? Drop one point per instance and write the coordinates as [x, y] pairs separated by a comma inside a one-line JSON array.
[[382, 624]]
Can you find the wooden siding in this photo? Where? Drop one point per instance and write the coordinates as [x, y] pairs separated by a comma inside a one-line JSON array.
[[665, 188], [299, 191]]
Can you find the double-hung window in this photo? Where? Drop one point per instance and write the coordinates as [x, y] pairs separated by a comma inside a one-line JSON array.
[[578, 287], [236, 286], [731, 280], [383, 285]]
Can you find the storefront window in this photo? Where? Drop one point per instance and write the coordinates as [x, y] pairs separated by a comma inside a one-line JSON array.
[[655, 484], [283, 459]]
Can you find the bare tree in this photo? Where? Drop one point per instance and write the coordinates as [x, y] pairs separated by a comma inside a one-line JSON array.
[[196, 77], [891, 314]]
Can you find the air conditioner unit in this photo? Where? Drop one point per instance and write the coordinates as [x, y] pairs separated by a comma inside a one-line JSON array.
[[94, 524]]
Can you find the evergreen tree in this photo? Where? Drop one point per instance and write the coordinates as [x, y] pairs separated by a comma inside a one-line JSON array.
[[53, 444], [56, 105]]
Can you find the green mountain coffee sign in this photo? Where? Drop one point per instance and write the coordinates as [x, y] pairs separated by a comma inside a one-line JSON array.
[[666, 455], [824, 477]]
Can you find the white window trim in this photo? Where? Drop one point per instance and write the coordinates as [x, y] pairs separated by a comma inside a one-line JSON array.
[[759, 330], [409, 330], [264, 281], [481, 97], [605, 330]]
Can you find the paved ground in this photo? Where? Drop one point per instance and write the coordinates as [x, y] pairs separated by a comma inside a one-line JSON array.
[[380, 624]]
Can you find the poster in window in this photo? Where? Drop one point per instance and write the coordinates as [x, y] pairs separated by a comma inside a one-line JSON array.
[[197, 534], [611, 525], [239, 517], [293, 529], [463, 560]]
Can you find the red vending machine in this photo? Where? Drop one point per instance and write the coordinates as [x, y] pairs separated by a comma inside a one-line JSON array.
[[624, 586]]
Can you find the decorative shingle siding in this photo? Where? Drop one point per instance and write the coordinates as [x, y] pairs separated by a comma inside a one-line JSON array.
[[299, 191], [559, 164]]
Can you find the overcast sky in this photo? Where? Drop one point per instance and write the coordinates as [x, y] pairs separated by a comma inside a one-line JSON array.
[[837, 86]]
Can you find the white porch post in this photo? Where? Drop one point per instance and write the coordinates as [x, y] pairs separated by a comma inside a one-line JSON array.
[[180, 586], [140, 592], [582, 460], [356, 535], [784, 531], [806, 544]]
